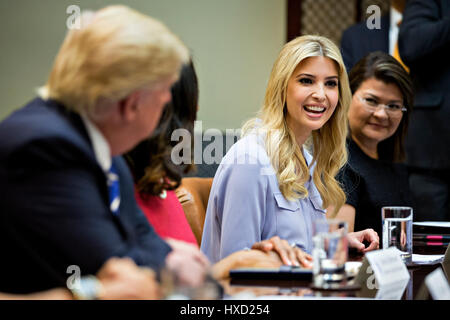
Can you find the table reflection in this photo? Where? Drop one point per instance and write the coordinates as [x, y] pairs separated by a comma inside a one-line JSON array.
[[251, 289]]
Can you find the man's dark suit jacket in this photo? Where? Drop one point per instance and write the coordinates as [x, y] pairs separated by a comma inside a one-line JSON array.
[[54, 208], [424, 45], [358, 41]]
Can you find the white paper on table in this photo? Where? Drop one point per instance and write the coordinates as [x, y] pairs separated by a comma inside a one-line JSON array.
[[392, 291], [249, 295], [440, 224], [438, 285], [427, 258], [390, 272], [281, 297]]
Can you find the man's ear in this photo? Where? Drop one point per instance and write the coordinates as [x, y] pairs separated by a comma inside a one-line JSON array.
[[128, 106]]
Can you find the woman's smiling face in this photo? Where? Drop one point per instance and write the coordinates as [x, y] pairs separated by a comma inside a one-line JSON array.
[[312, 95], [370, 127]]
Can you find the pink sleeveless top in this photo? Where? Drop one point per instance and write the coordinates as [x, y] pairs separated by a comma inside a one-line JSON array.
[[166, 216]]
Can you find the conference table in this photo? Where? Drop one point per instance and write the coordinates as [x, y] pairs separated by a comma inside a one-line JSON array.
[[254, 289]]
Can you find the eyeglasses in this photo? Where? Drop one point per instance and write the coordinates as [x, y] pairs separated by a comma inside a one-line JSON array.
[[393, 110]]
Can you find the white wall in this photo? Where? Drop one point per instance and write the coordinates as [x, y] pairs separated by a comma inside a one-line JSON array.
[[234, 44]]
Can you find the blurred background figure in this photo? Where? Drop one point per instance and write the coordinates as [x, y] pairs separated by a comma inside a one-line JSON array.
[[358, 40], [424, 43], [378, 120], [155, 174], [68, 196]]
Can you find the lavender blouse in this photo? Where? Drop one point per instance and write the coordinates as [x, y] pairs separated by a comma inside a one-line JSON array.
[[246, 205]]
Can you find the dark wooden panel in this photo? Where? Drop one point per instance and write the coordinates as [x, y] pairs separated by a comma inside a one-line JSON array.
[[294, 14]]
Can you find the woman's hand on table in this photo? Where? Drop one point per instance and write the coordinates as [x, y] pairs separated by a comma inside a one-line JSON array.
[[290, 255], [355, 240]]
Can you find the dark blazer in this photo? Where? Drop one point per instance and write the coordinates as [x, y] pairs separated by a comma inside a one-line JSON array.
[[424, 45], [358, 41], [54, 209]]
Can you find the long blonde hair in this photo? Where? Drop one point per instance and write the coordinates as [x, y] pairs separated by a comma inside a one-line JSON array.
[[119, 51], [327, 143]]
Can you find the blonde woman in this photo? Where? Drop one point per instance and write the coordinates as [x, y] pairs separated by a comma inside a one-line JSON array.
[[281, 175]]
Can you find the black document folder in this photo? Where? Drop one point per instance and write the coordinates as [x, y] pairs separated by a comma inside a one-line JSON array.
[[431, 227], [282, 273]]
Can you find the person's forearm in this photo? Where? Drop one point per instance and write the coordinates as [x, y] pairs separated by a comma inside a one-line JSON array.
[[53, 294]]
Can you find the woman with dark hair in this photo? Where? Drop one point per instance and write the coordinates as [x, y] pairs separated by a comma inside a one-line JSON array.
[[155, 175], [378, 120]]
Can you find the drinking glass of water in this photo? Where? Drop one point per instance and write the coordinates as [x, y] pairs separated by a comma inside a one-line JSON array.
[[330, 252], [397, 230]]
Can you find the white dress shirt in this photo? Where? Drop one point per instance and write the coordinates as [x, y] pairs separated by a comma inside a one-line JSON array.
[[101, 147], [395, 18]]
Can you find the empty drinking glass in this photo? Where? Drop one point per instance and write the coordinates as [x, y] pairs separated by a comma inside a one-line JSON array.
[[397, 230], [330, 252]]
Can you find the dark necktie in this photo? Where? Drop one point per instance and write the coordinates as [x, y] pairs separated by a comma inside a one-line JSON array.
[[113, 189]]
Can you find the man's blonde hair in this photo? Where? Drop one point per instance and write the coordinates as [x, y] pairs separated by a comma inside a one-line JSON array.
[[119, 51], [327, 143]]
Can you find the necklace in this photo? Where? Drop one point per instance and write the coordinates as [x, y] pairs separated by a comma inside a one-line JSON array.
[[163, 194]]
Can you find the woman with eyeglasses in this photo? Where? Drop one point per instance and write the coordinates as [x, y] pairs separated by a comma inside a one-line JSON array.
[[378, 120]]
